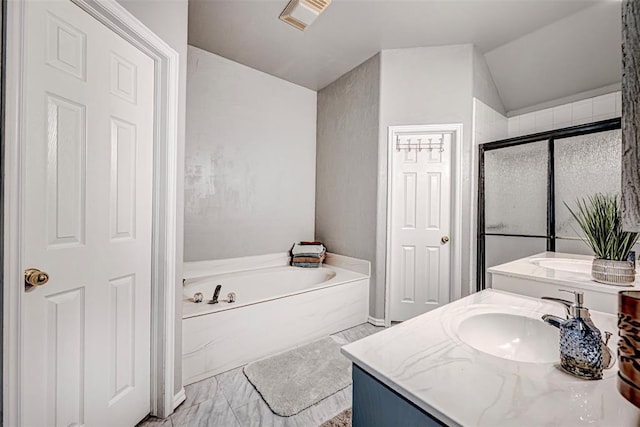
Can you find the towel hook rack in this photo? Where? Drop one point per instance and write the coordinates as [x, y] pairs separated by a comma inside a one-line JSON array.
[[420, 145]]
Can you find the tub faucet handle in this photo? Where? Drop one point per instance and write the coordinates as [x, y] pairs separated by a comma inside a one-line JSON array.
[[216, 295]]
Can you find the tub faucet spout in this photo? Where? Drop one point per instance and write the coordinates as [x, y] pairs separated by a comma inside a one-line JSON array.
[[216, 294]]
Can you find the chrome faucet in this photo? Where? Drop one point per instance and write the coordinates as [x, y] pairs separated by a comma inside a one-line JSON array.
[[583, 353], [555, 320], [567, 304]]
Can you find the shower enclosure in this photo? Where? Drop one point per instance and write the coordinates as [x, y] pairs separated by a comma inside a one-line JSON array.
[[523, 185]]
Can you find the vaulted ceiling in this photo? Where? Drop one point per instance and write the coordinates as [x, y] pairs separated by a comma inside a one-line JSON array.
[[531, 59], [579, 53]]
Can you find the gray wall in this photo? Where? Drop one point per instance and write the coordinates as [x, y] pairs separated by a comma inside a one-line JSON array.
[[424, 86], [396, 87], [250, 160], [347, 164], [168, 19]]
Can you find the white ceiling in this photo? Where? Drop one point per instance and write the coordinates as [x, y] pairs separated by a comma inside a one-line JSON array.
[[351, 31], [579, 53]]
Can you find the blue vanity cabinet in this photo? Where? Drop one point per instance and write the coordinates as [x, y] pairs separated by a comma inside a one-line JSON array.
[[376, 405]]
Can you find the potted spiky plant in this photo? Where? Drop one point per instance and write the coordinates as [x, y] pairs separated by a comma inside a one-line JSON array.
[[599, 218]]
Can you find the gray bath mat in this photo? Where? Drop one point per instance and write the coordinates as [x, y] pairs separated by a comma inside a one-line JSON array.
[[292, 381]]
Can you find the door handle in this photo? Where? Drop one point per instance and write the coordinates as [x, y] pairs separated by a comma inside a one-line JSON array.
[[34, 277], [444, 239]]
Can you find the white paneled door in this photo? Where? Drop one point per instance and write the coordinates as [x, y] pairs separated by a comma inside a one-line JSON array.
[[420, 224], [88, 203]]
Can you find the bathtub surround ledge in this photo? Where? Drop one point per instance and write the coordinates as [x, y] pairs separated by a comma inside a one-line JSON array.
[[197, 269], [347, 263]]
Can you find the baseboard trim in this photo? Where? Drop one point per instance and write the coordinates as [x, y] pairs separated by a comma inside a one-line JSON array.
[[178, 398], [375, 322]]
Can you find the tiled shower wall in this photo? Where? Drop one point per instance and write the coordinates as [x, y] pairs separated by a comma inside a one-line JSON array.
[[575, 113], [488, 124]]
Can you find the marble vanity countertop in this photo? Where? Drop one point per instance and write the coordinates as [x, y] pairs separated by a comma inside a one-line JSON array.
[[425, 361], [528, 269]]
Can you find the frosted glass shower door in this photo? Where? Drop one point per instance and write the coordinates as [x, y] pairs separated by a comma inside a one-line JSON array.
[[516, 187], [584, 165]]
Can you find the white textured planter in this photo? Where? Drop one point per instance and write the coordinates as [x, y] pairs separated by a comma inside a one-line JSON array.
[[620, 273]]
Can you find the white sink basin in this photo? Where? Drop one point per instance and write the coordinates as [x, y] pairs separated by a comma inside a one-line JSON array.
[[510, 336], [564, 264]]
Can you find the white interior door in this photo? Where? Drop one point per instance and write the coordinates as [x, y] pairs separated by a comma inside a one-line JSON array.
[[88, 195], [420, 225]]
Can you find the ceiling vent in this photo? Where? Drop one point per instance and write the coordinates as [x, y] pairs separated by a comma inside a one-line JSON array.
[[301, 13]]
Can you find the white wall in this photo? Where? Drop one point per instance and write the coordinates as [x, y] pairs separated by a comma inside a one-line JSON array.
[[484, 87], [347, 165], [588, 110], [250, 160], [168, 19], [488, 125], [424, 86]]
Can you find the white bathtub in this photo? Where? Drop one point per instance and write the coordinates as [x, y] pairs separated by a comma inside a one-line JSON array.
[[277, 307], [256, 286]]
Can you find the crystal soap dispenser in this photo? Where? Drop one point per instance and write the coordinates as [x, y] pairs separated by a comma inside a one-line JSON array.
[[583, 353]]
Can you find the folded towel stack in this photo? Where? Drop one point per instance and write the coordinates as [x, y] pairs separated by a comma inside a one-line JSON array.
[[307, 254]]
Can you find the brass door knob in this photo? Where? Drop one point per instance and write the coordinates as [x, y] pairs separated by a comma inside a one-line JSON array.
[[444, 239], [34, 277]]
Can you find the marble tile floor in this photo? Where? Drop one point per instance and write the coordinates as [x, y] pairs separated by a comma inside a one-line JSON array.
[[229, 400]]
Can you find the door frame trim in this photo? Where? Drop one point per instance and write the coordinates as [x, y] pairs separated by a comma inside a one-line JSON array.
[[164, 232], [455, 286]]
